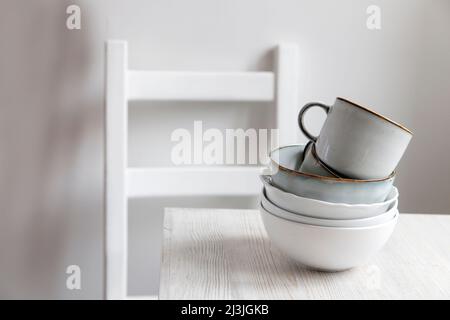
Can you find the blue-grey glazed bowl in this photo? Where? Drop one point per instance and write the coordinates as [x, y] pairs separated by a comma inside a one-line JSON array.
[[286, 161]]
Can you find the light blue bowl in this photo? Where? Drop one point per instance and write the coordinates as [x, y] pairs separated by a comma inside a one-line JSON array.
[[285, 162]]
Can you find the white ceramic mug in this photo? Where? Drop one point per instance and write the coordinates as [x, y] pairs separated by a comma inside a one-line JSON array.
[[357, 142]]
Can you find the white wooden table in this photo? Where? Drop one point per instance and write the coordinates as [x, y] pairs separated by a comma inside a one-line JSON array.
[[225, 254]]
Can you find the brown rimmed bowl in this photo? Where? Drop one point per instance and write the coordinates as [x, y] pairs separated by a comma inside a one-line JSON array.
[[284, 162]]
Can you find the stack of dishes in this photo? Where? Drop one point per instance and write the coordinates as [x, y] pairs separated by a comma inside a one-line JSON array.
[[321, 218]]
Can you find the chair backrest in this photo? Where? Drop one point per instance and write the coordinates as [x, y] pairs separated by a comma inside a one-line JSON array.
[[121, 182]]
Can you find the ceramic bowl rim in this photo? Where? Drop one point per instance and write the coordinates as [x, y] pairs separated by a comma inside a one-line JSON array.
[[340, 204], [393, 220], [315, 220], [315, 176]]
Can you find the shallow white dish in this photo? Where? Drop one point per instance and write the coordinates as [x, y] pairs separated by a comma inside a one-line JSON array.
[[323, 209], [325, 248], [341, 223]]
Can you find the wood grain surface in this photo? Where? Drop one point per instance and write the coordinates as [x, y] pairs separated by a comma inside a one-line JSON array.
[[225, 254]]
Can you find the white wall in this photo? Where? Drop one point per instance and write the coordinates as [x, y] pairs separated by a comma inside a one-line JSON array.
[[52, 108], [51, 171], [401, 70]]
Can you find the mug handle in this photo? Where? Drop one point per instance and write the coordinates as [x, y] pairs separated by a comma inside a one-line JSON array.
[[302, 113]]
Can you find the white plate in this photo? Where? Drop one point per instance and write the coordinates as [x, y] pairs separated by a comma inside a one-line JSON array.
[[323, 209], [325, 248], [347, 223]]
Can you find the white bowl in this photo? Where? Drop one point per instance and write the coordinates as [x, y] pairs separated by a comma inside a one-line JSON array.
[[323, 209], [325, 248], [342, 223]]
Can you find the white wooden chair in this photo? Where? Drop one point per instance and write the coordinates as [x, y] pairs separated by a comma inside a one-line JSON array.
[[122, 182]]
